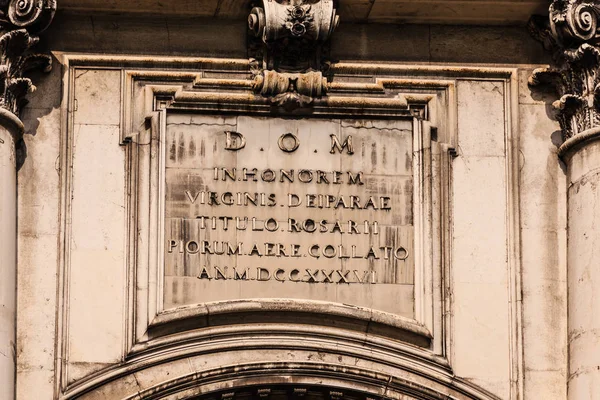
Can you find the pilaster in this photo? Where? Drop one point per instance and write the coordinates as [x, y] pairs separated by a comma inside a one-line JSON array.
[[20, 21], [571, 34]]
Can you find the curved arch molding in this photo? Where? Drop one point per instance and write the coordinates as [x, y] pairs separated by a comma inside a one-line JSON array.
[[294, 355]]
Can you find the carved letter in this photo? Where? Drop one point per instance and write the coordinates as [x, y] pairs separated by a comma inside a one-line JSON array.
[[401, 253], [328, 277], [190, 197], [279, 275], [294, 275], [343, 276], [336, 145], [192, 247], [355, 179], [204, 274], [311, 276], [243, 277], [294, 200], [288, 142], [260, 274], [364, 278], [235, 141], [220, 274]]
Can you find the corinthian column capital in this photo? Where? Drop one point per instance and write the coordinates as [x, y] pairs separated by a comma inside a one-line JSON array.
[[571, 33], [20, 22]]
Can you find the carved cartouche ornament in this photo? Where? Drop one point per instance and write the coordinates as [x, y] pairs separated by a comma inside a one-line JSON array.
[[571, 33], [20, 21], [287, 43]]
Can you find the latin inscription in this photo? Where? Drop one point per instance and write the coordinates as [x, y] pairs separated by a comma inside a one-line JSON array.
[[287, 202]]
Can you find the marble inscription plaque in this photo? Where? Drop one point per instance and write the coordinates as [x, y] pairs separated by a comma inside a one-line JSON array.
[[310, 209]]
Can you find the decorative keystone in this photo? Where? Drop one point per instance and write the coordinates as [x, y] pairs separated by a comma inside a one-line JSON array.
[[287, 43], [571, 34], [20, 22]]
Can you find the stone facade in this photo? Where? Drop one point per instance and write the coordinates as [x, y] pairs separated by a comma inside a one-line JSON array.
[[299, 199]]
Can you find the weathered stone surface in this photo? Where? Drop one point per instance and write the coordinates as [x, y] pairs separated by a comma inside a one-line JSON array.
[[478, 310], [97, 253], [570, 34], [124, 34], [480, 278], [8, 258], [544, 230], [438, 11], [584, 326], [484, 45], [263, 203], [149, 35], [39, 233], [96, 243]]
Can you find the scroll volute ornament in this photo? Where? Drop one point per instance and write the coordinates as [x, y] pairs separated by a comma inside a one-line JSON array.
[[571, 34], [33, 15], [288, 40], [574, 21], [20, 22]]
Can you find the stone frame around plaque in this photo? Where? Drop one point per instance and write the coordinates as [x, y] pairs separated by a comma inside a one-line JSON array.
[[152, 88], [149, 181]]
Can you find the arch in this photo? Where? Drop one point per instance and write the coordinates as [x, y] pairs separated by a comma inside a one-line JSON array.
[[346, 382], [226, 361]]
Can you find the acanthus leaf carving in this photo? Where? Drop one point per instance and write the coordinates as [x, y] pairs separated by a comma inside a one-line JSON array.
[[287, 43], [571, 34], [20, 22]]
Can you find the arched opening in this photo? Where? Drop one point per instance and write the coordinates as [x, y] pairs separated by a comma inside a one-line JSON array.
[[287, 392]]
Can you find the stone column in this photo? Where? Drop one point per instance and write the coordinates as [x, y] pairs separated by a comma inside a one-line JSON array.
[[20, 21], [11, 129], [571, 34], [582, 157]]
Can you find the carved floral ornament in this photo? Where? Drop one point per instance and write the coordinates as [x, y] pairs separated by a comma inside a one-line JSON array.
[[288, 40], [20, 22], [571, 33]]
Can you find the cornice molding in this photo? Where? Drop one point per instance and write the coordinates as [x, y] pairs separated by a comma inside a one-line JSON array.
[[571, 34], [20, 23]]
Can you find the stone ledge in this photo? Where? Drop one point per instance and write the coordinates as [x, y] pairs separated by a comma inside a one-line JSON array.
[[476, 12]]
